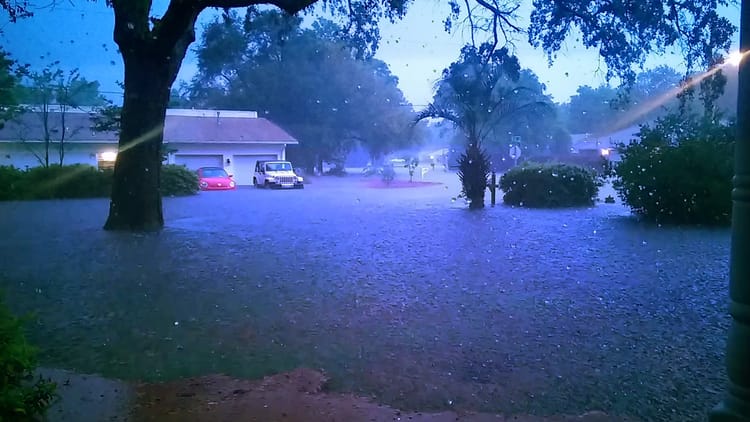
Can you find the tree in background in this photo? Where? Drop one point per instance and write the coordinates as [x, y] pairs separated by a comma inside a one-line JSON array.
[[540, 130], [9, 80], [479, 92], [51, 94], [333, 99]]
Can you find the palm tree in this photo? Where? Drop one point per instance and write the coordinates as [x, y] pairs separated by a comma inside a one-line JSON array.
[[478, 93]]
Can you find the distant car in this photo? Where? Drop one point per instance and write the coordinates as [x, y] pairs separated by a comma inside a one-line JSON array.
[[276, 174], [215, 178]]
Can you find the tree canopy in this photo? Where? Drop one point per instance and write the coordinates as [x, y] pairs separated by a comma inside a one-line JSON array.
[[483, 91], [331, 99], [8, 87]]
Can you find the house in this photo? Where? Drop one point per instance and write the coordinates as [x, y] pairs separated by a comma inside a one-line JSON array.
[[604, 145], [234, 140]]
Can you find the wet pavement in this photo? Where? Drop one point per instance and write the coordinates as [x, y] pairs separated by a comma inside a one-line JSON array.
[[398, 293]]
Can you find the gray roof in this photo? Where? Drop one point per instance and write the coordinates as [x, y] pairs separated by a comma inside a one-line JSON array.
[[193, 126]]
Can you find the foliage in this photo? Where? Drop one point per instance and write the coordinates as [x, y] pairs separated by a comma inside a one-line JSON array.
[[22, 398], [177, 180], [680, 172], [477, 94], [336, 170], [606, 109], [10, 179], [411, 165], [16, 9], [54, 93], [549, 186], [333, 98], [474, 171], [8, 87], [625, 33], [57, 182], [82, 181], [51, 85]]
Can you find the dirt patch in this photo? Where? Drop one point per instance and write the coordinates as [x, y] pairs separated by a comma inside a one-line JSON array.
[[399, 184], [295, 396]]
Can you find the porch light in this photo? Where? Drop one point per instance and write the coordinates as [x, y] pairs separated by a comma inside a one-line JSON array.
[[108, 156]]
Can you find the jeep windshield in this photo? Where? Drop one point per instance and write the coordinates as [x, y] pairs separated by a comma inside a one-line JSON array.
[[278, 166]]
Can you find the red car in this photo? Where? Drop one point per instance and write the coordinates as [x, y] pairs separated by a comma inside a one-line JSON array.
[[215, 178]]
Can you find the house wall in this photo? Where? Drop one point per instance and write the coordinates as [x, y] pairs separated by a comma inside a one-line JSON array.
[[241, 157], [20, 154]]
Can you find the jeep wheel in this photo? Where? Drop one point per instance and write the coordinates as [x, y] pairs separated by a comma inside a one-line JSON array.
[[255, 182]]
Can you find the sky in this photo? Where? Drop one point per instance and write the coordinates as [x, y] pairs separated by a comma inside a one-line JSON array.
[[79, 34]]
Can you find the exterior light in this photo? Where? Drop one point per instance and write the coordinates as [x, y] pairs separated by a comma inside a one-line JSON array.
[[108, 156], [605, 152]]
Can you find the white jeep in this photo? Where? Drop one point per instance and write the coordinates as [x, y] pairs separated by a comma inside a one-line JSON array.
[[276, 174]]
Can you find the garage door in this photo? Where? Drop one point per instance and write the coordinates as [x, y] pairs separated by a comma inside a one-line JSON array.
[[243, 167], [194, 162]]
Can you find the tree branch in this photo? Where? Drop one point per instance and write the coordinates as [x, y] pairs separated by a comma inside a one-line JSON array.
[[289, 6], [471, 22], [504, 16]]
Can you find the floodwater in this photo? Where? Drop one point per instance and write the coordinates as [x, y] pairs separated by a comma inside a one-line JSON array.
[[402, 294]]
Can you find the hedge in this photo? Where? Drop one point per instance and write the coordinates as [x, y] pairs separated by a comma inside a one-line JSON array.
[[549, 186]]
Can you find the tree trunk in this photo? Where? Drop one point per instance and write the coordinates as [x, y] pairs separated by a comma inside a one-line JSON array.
[[136, 203]]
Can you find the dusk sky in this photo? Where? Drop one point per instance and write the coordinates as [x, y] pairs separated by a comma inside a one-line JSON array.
[[79, 34]]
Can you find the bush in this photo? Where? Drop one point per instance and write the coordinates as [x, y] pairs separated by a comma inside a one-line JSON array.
[[82, 181], [680, 172], [22, 398], [177, 180], [73, 181], [336, 171], [10, 179], [549, 186]]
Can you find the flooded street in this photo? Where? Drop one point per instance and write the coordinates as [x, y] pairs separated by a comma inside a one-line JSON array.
[[398, 293]]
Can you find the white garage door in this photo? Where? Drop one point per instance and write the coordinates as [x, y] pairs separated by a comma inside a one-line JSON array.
[[194, 162], [243, 167]]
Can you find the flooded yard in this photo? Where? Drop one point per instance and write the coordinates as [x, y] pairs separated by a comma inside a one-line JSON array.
[[401, 294]]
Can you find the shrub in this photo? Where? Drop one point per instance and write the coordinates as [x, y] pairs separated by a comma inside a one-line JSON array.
[[10, 179], [549, 186], [22, 398], [177, 180], [680, 172], [473, 171], [336, 171], [73, 181]]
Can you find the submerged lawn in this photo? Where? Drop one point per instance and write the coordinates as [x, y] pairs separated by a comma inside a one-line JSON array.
[[399, 293]]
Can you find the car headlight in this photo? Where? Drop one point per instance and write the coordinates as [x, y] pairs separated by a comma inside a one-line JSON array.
[[204, 184], [300, 180], [231, 184], [271, 178]]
